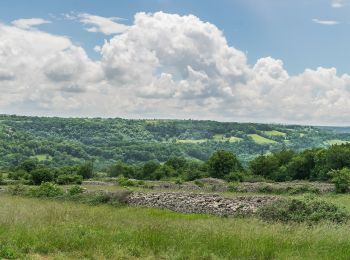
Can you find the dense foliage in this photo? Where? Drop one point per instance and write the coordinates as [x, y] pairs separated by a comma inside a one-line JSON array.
[[319, 164], [70, 141], [309, 210]]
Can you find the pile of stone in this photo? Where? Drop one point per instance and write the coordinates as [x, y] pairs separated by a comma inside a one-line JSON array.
[[98, 183], [200, 203]]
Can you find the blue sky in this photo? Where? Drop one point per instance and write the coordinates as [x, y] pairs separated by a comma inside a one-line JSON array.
[[281, 29], [282, 61]]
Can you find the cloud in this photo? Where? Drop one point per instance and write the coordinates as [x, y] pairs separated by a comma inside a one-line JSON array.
[[29, 23], [33, 65], [325, 22], [6, 75], [105, 25], [338, 3], [167, 66]]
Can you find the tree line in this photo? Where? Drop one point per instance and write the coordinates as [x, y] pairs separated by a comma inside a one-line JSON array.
[[318, 164]]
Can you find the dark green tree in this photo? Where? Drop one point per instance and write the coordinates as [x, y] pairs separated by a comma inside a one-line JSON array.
[[42, 174], [86, 170], [263, 165], [149, 168], [221, 163]]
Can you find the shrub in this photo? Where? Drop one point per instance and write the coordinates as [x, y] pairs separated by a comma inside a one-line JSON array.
[[293, 190], [141, 183], [8, 253], [221, 163], [341, 179], [232, 187], [309, 210], [114, 198], [199, 183], [179, 181], [266, 188], [125, 182], [235, 177], [18, 189], [2, 182], [18, 174], [40, 175], [47, 189], [76, 189], [69, 179], [253, 178], [86, 170]]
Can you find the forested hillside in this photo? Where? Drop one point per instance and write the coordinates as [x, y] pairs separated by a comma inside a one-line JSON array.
[[67, 141]]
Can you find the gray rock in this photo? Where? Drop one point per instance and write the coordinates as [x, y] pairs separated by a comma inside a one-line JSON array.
[[199, 203]]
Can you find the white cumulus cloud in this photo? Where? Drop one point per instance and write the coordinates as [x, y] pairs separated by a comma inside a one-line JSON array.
[[163, 65], [105, 25], [338, 3], [325, 22], [29, 23]]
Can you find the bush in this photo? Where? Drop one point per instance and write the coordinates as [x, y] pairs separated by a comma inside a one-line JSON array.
[[66, 179], [267, 188], [341, 179], [116, 198], [76, 189], [47, 189], [199, 183], [86, 170], [125, 182], [2, 182], [293, 190], [40, 175], [254, 178], [179, 181], [309, 210], [235, 177], [232, 187], [18, 189], [18, 174], [221, 163], [8, 253]]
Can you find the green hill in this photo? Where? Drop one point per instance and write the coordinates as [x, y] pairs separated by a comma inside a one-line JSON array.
[[59, 141]]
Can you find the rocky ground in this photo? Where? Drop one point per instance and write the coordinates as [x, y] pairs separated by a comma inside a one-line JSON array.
[[199, 203]]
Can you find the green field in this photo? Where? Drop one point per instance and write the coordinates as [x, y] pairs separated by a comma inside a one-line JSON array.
[[222, 138], [190, 141], [274, 133], [217, 138], [261, 140], [43, 229], [336, 141], [43, 157]]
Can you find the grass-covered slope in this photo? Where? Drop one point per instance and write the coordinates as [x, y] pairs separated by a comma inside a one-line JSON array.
[[43, 229], [60, 141]]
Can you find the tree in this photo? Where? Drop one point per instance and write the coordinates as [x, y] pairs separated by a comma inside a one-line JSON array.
[[162, 172], [86, 170], [40, 175], [341, 179], [177, 163], [120, 169], [149, 168], [301, 166], [66, 179], [28, 165], [221, 163], [263, 165]]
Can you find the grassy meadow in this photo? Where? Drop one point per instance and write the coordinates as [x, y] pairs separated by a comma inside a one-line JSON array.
[[46, 229]]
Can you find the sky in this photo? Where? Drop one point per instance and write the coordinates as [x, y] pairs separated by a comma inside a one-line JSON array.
[[231, 60]]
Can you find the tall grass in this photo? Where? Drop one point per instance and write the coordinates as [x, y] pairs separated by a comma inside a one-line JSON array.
[[37, 229]]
